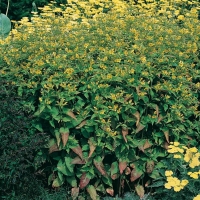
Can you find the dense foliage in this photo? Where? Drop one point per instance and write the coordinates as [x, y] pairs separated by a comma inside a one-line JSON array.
[[112, 83], [19, 143]]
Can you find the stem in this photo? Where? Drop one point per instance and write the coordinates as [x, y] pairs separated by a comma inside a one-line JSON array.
[[7, 7]]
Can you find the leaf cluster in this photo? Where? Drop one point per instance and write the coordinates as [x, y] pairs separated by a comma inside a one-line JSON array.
[[110, 89]]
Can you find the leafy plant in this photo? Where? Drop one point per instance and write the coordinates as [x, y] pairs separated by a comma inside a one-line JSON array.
[[112, 91], [18, 145]]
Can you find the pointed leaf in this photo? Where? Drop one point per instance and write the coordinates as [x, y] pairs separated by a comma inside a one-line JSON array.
[[65, 137], [92, 192], [77, 160], [139, 128], [135, 174], [124, 133], [140, 190], [58, 139], [74, 192], [68, 164], [72, 181], [71, 114], [114, 168], [167, 135], [99, 165], [57, 183], [62, 167], [50, 179], [146, 145], [122, 166], [165, 145], [83, 123], [101, 188], [160, 118], [137, 116], [53, 148], [92, 147], [110, 191], [84, 181], [78, 151]]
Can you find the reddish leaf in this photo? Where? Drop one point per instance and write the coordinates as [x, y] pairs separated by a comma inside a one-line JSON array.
[[92, 148], [71, 114], [150, 166], [160, 118], [110, 191], [135, 174], [132, 165], [140, 190], [65, 137], [74, 192], [124, 133], [53, 148], [165, 145], [114, 176], [92, 192], [139, 128], [100, 167], [78, 151], [166, 135], [122, 166], [77, 160], [137, 116], [127, 171], [145, 146], [83, 181], [83, 123]]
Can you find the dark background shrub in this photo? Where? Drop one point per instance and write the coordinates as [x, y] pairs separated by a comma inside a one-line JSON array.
[[18, 145]]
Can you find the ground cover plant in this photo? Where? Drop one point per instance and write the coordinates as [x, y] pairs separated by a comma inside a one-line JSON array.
[[112, 83]]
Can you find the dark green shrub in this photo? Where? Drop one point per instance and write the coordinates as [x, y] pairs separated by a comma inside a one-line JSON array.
[[18, 145], [110, 91]]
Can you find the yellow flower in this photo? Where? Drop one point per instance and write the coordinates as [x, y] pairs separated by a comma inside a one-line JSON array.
[[176, 144], [177, 156], [177, 188], [197, 197], [168, 186], [193, 175], [184, 182], [168, 173], [193, 149], [181, 17]]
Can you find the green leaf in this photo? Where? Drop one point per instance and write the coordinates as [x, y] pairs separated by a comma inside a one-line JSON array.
[[155, 174], [114, 168], [72, 181], [92, 192], [157, 184], [57, 183], [68, 164], [5, 26], [107, 180], [62, 167]]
